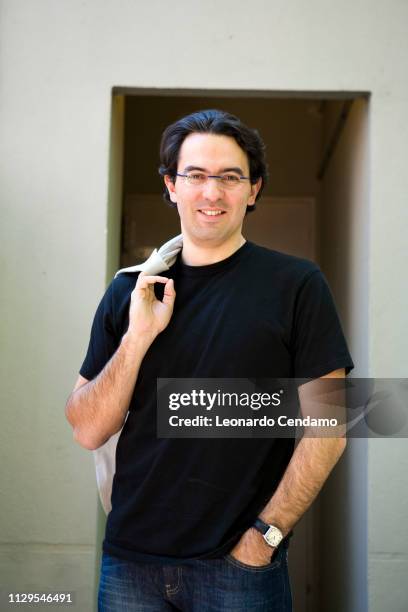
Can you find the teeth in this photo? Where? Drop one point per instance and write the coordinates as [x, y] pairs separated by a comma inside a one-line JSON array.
[[212, 213]]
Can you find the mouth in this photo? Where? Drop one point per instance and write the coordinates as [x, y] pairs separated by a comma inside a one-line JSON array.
[[211, 212]]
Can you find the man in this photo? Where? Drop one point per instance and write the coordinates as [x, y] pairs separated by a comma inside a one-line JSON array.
[[189, 516]]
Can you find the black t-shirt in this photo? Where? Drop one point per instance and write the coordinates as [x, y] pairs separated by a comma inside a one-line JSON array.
[[258, 313]]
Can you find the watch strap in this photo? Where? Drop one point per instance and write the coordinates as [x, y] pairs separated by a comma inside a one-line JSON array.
[[261, 526]]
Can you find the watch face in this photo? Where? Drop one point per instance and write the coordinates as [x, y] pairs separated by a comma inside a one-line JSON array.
[[273, 536]]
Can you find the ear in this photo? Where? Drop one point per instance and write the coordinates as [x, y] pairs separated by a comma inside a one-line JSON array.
[[171, 188], [254, 191]]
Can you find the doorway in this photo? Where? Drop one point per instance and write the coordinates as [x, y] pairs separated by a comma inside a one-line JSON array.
[[315, 206]]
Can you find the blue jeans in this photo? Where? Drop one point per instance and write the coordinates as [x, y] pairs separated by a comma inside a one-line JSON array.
[[209, 585]]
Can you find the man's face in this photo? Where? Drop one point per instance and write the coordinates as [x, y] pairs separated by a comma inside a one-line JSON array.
[[212, 154]]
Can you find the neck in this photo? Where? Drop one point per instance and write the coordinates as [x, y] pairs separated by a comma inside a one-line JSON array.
[[196, 254]]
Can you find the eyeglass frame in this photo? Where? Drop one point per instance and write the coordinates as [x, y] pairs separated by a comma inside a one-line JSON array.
[[216, 176]]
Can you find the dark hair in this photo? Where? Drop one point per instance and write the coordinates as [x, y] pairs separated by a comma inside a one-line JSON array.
[[212, 121]]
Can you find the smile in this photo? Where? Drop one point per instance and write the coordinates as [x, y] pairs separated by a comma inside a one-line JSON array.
[[212, 213]]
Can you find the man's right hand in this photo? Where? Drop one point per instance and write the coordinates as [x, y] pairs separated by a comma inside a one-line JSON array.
[[148, 316]]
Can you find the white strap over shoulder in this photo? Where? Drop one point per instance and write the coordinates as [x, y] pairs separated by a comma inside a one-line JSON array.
[[105, 456]]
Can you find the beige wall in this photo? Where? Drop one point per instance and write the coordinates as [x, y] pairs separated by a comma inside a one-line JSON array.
[[58, 63], [344, 214]]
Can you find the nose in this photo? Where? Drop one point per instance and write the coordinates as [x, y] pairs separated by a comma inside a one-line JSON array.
[[212, 190]]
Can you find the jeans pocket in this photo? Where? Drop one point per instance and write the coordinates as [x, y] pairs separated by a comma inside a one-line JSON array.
[[273, 564]]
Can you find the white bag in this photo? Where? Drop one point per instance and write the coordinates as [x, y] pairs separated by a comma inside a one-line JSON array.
[[105, 456]]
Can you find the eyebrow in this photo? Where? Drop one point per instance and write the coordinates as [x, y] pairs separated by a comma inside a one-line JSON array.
[[236, 169]]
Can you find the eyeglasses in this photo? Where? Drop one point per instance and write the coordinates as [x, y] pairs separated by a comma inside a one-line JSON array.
[[199, 179]]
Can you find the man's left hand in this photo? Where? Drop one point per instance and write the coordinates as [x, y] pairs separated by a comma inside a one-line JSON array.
[[252, 549]]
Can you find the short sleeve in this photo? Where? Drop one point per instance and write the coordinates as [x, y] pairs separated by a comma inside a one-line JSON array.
[[103, 340], [318, 344]]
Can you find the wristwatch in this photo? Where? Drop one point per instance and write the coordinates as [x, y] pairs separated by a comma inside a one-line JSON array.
[[271, 534]]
